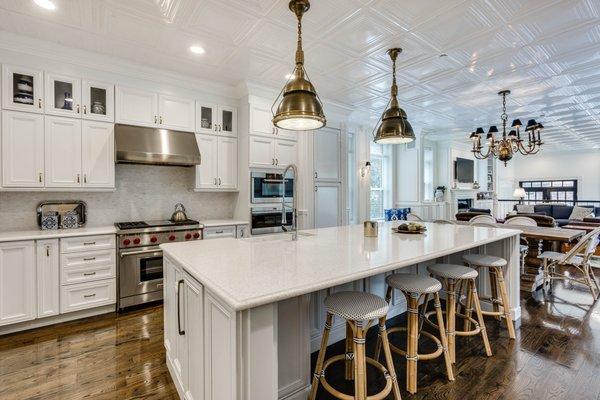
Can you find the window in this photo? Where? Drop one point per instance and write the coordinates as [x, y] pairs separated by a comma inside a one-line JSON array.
[[560, 191], [380, 180], [427, 174]]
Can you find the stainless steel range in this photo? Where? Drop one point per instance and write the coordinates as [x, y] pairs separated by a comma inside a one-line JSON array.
[[140, 260]]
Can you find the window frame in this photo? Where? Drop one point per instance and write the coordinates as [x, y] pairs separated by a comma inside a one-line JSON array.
[[545, 187], [384, 154]]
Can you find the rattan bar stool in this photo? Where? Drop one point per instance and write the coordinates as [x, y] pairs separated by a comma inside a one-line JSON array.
[[414, 287], [359, 309], [453, 274], [499, 297]]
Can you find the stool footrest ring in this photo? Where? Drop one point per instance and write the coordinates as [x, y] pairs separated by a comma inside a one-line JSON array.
[[472, 332], [420, 357]]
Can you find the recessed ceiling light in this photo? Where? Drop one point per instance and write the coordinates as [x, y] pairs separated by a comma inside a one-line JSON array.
[[47, 4], [197, 50]]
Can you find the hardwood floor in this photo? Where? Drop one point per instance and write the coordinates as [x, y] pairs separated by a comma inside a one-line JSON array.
[[556, 355]]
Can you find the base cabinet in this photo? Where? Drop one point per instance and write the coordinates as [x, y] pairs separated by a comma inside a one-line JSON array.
[[48, 278], [17, 282]]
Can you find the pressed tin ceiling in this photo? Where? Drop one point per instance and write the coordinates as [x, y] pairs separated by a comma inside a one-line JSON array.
[[547, 52]]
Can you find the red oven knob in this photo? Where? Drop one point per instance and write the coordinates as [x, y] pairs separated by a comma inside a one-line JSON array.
[[196, 235], [188, 236], [126, 242], [136, 241], [172, 237], [153, 239]]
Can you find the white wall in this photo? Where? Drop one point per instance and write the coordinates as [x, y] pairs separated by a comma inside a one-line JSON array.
[[143, 192], [581, 165]]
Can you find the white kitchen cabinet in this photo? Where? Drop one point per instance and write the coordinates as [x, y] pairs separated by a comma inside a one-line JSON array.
[[327, 155], [285, 152], [136, 107], [286, 134], [218, 169], [261, 124], [218, 232], [98, 101], [242, 231], [82, 296], [216, 119], [48, 284], [176, 113], [22, 89], [328, 211], [62, 152], [18, 283], [63, 95], [193, 340], [228, 121], [22, 149], [98, 154]]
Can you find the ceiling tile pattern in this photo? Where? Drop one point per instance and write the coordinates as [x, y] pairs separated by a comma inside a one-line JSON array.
[[457, 53]]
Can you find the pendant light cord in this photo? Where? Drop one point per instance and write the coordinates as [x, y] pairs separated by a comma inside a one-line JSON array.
[[299, 51]]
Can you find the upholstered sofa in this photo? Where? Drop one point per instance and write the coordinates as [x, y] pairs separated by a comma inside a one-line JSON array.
[[561, 213]]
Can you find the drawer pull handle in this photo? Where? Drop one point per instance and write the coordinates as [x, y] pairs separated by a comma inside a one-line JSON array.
[[89, 259], [87, 296], [219, 232], [180, 331], [89, 243], [89, 273]]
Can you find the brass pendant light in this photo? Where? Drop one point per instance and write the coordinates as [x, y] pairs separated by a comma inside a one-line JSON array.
[[300, 107], [394, 127]]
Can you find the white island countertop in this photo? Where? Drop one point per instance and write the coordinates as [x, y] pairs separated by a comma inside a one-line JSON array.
[[38, 234], [247, 273]]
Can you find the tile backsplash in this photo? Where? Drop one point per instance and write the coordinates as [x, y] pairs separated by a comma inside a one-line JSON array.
[[142, 192]]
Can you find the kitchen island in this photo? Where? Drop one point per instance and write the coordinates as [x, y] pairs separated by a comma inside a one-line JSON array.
[[243, 316]]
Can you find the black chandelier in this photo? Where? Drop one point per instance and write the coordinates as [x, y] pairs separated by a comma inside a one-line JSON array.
[[511, 143]]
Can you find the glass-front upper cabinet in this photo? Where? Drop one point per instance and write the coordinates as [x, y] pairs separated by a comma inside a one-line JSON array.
[[63, 95], [22, 89], [206, 118], [98, 101], [228, 120]]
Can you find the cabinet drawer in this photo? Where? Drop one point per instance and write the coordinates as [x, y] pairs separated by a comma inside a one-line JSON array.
[[216, 232], [87, 295], [87, 266], [85, 243]]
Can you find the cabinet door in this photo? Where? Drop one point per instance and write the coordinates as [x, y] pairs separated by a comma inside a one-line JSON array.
[[136, 107], [260, 120], [327, 205], [327, 155], [262, 151], [194, 333], [63, 152], [228, 121], [227, 163], [98, 154], [285, 152], [170, 308], [206, 118], [285, 134], [98, 101], [18, 285], [243, 231], [63, 95], [48, 284], [176, 113], [207, 171], [22, 89], [22, 149]]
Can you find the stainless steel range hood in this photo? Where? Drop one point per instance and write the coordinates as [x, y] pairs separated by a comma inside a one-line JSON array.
[[138, 145]]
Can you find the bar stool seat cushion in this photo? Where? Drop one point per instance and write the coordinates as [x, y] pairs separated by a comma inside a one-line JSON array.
[[356, 306], [452, 271], [484, 260], [412, 283]]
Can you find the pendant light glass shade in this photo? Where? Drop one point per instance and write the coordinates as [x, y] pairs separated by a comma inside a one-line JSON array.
[[394, 127], [300, 108]]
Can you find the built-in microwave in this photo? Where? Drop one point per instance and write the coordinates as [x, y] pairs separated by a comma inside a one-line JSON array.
[[267, 187], [268, 220]]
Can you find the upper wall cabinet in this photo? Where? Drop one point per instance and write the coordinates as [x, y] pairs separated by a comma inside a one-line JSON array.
[[63, 95], [261, 124], [98, 101], [98, 154], [211, 118], [145, 108], [22, 89], [62, 152]]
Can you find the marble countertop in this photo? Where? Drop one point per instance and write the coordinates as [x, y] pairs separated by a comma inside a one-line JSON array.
[[38, 234], [250, 272], [209, 223]]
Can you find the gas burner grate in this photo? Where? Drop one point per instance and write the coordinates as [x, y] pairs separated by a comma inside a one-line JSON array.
[[132, 225]]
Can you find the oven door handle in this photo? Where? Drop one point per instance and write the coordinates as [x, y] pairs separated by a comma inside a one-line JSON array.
[[134, 253]]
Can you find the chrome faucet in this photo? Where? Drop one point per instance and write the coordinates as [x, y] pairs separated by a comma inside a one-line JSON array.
[[294, 203]]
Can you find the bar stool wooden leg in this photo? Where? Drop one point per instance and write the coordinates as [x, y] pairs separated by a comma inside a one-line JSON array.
[[486, 342], [388, 359], [494, 289], [388, 299], [468, 308], [451, 315], [505, 302], [440, 321], [349, 363], [412, 342], [320, 358], [360, 381]]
